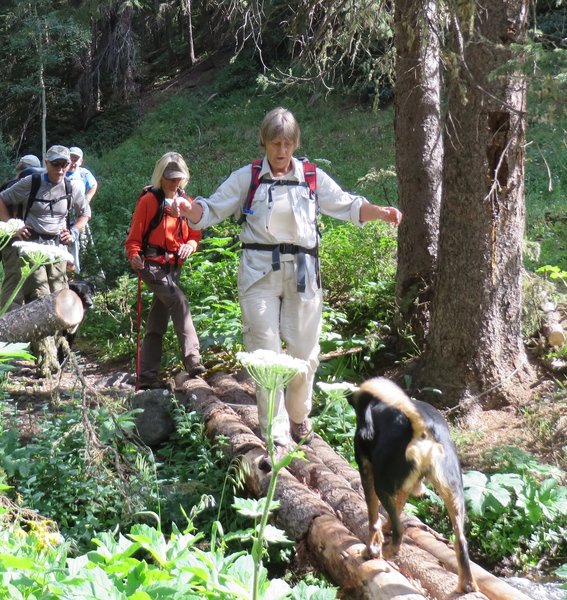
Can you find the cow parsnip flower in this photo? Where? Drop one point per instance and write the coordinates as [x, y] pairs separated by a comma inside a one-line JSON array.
[[341, 388], [42, 253], [271, 370], [11, 226], [8, 230]]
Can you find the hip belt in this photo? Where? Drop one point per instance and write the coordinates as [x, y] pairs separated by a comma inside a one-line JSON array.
[[152, 252], [299, 251], [44, 238]]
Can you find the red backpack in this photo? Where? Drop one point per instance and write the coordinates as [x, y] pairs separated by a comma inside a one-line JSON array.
[[309, 172]]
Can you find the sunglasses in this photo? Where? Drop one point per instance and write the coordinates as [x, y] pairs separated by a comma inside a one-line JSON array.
[[59, 164]]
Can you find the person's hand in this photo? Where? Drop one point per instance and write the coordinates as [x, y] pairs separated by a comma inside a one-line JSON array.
[[23, 234], [68, 236], [391, 215], [180, 206], [192, 210], [137, 263], [185, 251]]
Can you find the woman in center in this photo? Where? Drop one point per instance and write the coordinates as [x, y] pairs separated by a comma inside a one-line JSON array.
[[277, 200]]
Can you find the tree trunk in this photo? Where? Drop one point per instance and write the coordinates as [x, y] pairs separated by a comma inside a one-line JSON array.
[[475, 353], [188, 10], [419, 157], [42, 317]]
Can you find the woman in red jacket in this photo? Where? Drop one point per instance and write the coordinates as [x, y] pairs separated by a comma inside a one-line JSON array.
[[157, 245]]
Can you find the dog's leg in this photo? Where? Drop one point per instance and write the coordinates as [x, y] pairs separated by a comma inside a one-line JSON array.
[[453, 497], [375, 535], [390, 504]]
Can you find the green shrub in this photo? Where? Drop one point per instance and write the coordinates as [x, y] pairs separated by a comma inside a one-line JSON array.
[[80, 470]]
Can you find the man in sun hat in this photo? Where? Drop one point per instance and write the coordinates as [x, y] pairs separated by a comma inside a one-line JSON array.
[[77, 172], [46, 199]]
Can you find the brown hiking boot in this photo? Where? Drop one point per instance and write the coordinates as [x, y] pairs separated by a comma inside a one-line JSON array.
[[301, 432]]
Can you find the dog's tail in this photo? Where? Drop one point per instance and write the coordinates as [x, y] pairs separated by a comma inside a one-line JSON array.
[[423, 447], [391, 394]]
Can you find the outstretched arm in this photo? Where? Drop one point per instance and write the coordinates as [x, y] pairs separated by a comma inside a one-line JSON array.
[[372, 212]]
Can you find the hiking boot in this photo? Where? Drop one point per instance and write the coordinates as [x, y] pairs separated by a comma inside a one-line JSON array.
[[265, 464], [301, 432], [196, 370]]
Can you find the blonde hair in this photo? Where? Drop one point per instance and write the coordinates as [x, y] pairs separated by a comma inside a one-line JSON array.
[[279, 122], [161, 164]]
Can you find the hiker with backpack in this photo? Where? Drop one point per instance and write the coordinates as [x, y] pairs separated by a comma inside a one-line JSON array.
[[44, 201], [80, 173], [28, 164], [158, 243], [278, 199]]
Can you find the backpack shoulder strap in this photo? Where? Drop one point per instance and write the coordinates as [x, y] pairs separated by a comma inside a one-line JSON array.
[[254, 183], [156, 219], [36, 182], [310, 174]]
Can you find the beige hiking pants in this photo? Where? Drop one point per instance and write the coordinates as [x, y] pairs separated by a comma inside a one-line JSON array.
[[275, 316]]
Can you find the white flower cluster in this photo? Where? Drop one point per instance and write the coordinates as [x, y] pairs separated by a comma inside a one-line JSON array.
[[342, 387], [43, 253], [268, 358], [9, 228], [269, 369]]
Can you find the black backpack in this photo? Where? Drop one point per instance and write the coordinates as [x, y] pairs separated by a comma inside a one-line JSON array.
[[18, 212]]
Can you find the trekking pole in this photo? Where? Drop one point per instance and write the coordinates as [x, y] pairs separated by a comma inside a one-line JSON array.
[[138, 326]]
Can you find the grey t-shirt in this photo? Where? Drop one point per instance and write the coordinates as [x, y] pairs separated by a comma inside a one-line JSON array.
[[45, 218]]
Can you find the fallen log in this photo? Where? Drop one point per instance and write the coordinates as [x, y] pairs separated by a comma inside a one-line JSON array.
[[300, 509], [42, 318], [343, 507], [551, 325]]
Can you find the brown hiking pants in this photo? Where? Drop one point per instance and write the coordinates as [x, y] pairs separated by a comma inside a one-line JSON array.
[[168, 301]]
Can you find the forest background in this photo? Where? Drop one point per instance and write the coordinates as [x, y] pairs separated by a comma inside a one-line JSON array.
[[128, 81]]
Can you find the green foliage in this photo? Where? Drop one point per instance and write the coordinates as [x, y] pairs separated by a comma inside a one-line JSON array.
[[516, 515], [189, 468], [210, 285], [335, 421], [40, 45], [142, 564], [363, 286], [11, 352], [80, 470]]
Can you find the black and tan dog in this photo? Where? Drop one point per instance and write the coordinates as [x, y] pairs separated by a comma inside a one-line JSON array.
[[398, 443]]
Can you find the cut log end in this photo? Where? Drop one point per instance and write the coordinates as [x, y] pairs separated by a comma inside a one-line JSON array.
[[69, 307]]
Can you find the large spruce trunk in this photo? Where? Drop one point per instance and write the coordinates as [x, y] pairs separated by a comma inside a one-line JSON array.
[[419, 157], [474, 348]]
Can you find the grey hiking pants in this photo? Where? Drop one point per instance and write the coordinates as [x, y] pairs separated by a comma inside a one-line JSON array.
[[168, 301]]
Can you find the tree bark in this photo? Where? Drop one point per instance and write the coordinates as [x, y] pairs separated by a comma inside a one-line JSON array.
[[42, 317], [475, 352], [419, 157]]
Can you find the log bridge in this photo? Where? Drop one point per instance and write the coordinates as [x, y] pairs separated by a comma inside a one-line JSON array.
[[322, 508]]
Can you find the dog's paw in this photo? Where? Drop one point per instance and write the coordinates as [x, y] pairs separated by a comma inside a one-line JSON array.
[[374, 551], [467, 586], [391, 550]]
